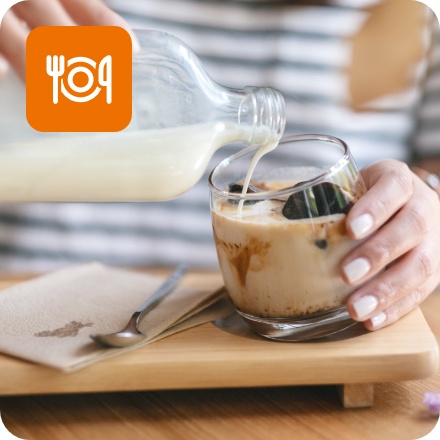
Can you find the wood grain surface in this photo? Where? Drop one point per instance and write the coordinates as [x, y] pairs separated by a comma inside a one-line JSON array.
[[247, 412]]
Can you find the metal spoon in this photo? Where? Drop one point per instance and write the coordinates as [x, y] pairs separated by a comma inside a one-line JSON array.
[[130, 335]]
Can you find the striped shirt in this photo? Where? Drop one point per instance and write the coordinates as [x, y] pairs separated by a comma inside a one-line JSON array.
[[301, 48]]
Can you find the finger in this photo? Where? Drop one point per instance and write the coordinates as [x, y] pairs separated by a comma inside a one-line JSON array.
[[94, 13], [405, 231], [390, 186], [416, 268], [42, 13], [13, 42], [401, 307]]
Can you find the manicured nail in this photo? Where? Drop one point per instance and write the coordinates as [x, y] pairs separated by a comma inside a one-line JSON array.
[[135, 46], [433, 181], [361, 225], [356, 269], [378, 319], [119, 21], [4, 66], [365, 305]]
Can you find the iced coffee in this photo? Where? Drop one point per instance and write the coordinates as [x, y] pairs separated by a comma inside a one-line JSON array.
[[280, 246]]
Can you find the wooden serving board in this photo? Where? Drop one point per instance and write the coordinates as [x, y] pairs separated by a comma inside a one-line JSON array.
[[227, 354]]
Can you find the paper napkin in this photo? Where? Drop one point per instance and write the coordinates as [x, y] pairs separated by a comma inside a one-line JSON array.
[[49, 319]]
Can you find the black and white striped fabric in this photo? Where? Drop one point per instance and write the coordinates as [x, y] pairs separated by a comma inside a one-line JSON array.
[[300, 48]]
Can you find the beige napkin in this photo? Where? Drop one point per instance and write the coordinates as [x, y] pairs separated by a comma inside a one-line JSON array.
[[48, 320]]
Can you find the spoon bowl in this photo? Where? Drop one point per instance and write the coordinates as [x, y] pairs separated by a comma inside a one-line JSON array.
[[130, 335]]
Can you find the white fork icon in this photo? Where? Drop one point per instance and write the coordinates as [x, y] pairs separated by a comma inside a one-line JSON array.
[[55, 69]]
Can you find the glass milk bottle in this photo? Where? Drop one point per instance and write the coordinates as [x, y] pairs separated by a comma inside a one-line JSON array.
[[180, 118]]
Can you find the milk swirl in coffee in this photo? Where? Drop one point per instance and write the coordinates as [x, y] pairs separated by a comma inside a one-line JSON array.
[[279, 220], [279, 267]]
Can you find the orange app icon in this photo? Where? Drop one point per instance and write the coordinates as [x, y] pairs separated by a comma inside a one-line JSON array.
[[78, 78]]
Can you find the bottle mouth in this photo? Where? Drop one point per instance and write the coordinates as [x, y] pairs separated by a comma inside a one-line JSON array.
[[268, 118]]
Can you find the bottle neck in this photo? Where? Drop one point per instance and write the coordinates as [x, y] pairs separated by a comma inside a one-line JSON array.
[[261, 109]]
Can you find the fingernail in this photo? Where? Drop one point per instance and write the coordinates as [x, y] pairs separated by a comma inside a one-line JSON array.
[[361, 225], [135, 46], [4, 66], [378, 319], [119, 21], [356, 269], [365, 305]]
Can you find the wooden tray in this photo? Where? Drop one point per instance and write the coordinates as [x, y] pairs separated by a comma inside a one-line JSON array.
[[226, 354]]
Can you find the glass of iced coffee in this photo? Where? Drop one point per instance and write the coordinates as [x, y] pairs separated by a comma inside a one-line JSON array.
[[280, 241]]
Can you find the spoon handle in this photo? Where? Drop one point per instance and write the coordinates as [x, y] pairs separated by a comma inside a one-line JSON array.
[[169, 284]]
